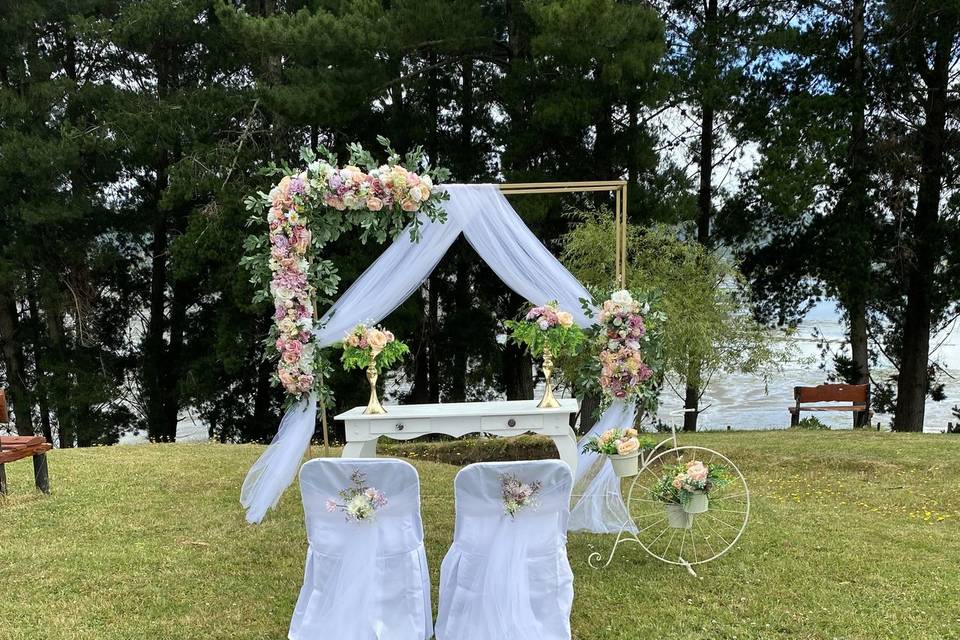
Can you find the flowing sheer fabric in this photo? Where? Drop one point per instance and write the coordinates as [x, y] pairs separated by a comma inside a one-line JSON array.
[[500, 237], [368, 579], [598, 503], [508, 577]]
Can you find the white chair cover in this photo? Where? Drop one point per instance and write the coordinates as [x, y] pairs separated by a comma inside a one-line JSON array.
[[368, 579], [508, 578]]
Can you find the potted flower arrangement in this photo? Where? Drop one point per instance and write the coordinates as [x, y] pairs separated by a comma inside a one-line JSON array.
[[693, 481], [623, 447], [373, 349], [546, 331], [664, 491]]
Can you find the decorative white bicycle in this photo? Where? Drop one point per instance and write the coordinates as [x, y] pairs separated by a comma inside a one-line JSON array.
[[666, 530]]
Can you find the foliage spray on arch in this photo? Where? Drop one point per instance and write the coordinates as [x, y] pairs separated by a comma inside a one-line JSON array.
[[305, 211]]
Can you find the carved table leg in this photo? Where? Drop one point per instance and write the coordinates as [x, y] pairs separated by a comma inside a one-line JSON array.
[[567, 447], [361, 449]]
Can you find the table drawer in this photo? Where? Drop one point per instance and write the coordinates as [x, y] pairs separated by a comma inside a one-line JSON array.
[[511, 423], [400, 425]]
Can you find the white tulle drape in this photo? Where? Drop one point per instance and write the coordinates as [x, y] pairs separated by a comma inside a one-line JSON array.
[[513, 252]]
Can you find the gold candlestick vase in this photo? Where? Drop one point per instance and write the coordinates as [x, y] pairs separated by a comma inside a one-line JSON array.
[[373, 405], [548, 401]]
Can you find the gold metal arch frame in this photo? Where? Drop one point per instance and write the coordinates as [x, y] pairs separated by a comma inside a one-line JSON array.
[[619, 189]]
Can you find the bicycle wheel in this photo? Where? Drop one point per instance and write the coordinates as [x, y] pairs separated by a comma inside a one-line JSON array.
[[670, 534]]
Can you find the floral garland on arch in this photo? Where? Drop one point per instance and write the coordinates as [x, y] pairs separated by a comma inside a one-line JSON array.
[[623, 358], [307, 210]]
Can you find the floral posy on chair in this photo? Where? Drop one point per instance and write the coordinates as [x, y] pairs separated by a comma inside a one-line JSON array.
[[518, 495], [359, 502]]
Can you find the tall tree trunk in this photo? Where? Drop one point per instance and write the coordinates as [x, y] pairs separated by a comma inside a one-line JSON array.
[[927, 248], [517, 372], [691, 400], [859, 282], [263, 423], [154, 348], [704, 200], [11, 342], [173, 366], [860, 354], [66, 416], [41, 389]]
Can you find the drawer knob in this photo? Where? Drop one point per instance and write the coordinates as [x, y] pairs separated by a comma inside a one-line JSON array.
[[399, 426], [511, 422]]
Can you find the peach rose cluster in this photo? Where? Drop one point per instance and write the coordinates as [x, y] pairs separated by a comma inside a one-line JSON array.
[[548, 315], [620, 442], [370, 338], [693, 478], [387, 186]]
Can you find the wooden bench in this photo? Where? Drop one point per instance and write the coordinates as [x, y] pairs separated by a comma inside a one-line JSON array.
[[13, 448], [858, 395]]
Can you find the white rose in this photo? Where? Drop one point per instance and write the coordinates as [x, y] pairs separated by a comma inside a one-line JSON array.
[[425, 179], [543, 324], [622, 297]]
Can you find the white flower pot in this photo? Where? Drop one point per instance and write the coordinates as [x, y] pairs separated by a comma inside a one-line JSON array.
[[677, 518], [626, 466], [698, 503]]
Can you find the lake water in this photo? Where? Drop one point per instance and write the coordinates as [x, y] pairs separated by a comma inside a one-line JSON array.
[[745, 402]]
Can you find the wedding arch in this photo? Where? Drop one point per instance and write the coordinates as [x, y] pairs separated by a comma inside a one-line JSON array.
[[497, 233]]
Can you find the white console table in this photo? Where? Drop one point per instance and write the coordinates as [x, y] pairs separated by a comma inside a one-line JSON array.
[[457, 419]]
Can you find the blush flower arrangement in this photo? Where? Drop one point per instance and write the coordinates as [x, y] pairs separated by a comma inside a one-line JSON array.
[[689, 484], [358, 502], [364, 345], [306, 210], [518, 495], [614, 442], [547, 326], [623, 447]]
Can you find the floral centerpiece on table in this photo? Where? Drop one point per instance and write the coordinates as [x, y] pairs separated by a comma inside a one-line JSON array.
[[358, 501], [306, 210], [373, 349], [518, 495], [622, 446], [548, 331]]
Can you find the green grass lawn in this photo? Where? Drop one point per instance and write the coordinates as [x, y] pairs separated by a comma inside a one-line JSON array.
[[853, 535]]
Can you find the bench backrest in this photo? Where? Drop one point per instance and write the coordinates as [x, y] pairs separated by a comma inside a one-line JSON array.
[[857, 393], [4, 416]]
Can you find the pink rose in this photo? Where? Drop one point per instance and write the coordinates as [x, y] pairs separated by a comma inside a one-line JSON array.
[[374, 203], [409, 206], [306, 382], [287, 379], [377, 340]]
